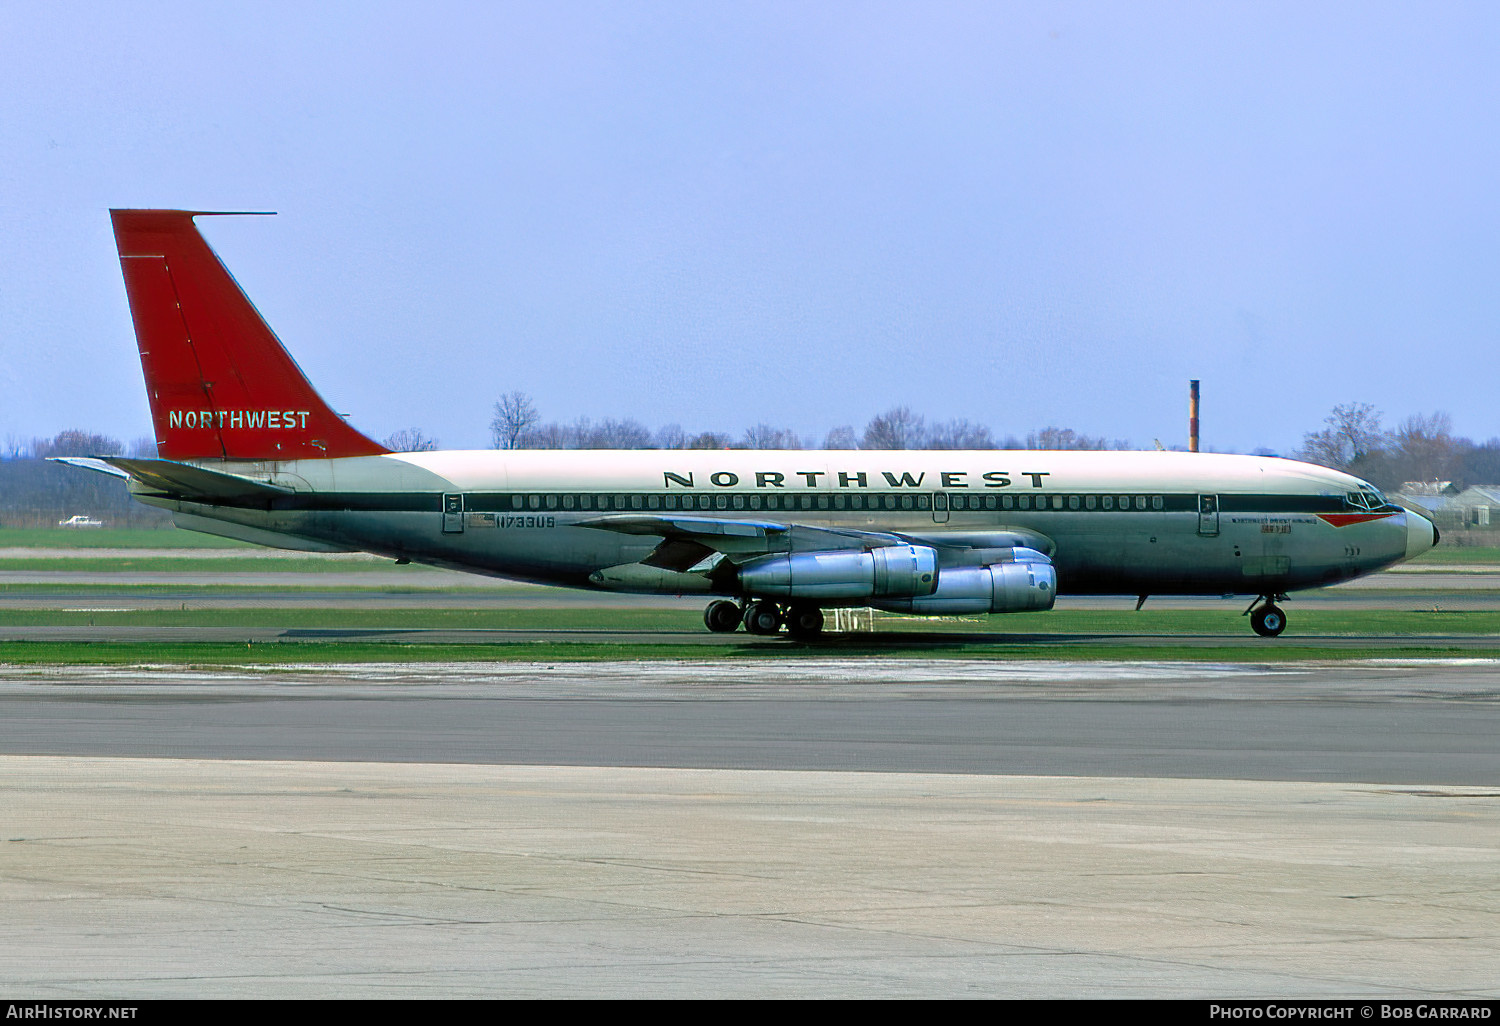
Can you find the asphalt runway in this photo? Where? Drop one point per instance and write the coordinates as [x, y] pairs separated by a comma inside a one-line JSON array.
[[877, 643], [1412, 724]]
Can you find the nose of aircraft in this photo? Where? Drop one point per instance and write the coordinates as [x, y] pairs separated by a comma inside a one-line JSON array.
[[1421, 534]]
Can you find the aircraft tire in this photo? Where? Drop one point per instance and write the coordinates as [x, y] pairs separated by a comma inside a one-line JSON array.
[[804, 621], [762, 618], [1268, 620], [722, 617]]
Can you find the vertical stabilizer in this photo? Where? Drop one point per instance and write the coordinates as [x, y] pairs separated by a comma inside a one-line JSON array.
[[221, 384]]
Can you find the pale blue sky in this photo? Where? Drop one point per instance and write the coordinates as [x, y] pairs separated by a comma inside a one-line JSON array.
[[716, 214]]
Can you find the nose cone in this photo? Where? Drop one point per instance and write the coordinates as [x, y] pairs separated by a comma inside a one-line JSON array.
[[1421, 534]]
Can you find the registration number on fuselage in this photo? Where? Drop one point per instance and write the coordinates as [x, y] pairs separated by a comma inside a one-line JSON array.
[[513, 521]]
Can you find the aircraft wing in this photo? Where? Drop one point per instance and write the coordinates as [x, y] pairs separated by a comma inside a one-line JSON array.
[[687, 541]]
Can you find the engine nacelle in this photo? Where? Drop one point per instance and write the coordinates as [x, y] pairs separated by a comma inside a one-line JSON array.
[[1000, 588], [894, 571]]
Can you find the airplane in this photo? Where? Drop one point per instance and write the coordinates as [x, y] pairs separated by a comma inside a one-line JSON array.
[[248, 450]]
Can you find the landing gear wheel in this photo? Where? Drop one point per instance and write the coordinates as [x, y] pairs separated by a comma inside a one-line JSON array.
[[804, 621], [1268, 620], [722, 617], [762, 618]]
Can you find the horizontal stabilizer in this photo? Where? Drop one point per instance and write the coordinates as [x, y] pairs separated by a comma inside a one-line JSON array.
[[186, 481]]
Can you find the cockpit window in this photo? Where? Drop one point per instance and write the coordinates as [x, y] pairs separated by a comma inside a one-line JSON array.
[[1357, 500]]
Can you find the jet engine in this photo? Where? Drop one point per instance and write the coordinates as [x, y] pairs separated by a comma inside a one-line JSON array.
[[1028, 583], [894, 571]]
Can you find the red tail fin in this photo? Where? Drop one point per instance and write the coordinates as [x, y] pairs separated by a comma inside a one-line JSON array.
[[221, 385]]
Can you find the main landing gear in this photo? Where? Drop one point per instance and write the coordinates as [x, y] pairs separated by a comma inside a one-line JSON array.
[[763, 617], [1266, 617]]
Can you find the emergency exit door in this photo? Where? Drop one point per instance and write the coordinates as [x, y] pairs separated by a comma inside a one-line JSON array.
[[1208, 515], [453, 514]]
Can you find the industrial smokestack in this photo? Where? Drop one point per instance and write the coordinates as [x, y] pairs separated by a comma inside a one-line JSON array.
[[1193, 415]]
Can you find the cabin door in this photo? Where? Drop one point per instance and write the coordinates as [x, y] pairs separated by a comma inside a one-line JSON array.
[[453, 514], [939, 507], [1208, 515]]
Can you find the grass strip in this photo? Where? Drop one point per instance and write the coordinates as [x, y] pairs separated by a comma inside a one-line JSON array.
[[190, 564], [113, 538]]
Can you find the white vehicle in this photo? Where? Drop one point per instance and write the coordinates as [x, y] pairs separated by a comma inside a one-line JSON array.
[[80, 520], [248, 450]]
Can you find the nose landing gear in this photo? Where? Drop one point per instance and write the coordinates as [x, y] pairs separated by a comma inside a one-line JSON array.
[[1266, 617]]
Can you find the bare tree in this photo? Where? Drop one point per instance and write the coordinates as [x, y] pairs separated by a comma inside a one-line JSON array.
[[515, 414], [670, 436], [960, 434], [76, 443], [763, 436], [710, 440], [842, 437], [896, 428], [410, 440], [1353, 435], [1067, 438], [1422, 448], [612, 434]]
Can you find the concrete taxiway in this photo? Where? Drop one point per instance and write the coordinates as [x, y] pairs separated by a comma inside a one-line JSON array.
[[138, 878]]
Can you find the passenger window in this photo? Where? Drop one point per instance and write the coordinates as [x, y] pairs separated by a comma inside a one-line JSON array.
[[890, 502], [755, 502], [722, 501], [1140, 502], [636, 502], [585, 502], [1124, 502], [906, 502], [989, 502], [958, 502], [1007, 501], [1157, 502], [1090, 501], [534, 501], [822, 502], [619, 502], [1108, 502], [1025, 501], [551, 502], [653, 502], [839, 501], [739, 502], [518, 502], [567, 502], [1072, 502]]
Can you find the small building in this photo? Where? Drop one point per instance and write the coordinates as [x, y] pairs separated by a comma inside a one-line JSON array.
[[1476, 505]]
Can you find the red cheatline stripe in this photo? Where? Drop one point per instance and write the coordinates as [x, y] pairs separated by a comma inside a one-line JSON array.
[[1345, 519]]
